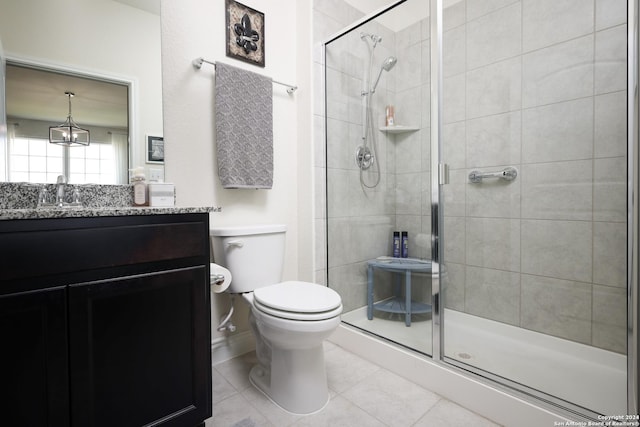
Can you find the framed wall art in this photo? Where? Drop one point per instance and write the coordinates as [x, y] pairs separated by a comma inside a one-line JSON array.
[[155, 149], [245, 33]]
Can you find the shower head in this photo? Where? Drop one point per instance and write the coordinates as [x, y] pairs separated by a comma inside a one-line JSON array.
[[374, 38], [387, 65]]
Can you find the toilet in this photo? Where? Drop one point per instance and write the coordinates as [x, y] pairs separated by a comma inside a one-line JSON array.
[[290, 320]]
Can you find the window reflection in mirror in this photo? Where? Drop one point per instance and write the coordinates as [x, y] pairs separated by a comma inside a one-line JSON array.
[[35, 100]]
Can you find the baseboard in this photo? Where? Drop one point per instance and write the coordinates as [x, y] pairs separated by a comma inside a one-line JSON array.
[[225, 348], [492, 403]]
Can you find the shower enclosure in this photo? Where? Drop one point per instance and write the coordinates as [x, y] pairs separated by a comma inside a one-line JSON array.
[[508, 165]]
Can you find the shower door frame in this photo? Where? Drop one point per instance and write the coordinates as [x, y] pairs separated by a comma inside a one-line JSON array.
[[439, 177], [633, 322]]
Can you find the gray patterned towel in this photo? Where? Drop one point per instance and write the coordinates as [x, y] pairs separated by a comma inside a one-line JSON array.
[[244, 128]]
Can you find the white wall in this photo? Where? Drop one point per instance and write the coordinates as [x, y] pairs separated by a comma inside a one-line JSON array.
[[196, 28], [105, 38], [306, 177]]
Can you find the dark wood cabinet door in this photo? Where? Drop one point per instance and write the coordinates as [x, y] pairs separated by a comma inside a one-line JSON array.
[[33, 360], [140, 350]]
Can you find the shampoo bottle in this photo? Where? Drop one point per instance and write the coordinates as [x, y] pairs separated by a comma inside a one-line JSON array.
[[139, 187], [390, 116], [405, 244], [396, 244]]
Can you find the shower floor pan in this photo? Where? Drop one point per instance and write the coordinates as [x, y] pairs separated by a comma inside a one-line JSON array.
[[587, 376]]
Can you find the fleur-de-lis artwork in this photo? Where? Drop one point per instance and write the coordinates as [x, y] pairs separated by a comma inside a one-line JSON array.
[[246, 36], [245, 33]]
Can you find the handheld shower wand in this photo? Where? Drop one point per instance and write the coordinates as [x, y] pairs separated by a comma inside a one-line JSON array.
[[366, 152], [387, 65]]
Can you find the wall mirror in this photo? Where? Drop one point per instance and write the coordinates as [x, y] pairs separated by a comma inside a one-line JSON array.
[[108, 55]]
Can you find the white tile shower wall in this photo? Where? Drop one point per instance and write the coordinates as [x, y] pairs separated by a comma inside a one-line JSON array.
[[539, 85], [610, 133], [560, 72], [546, 22], [567, 133], [493, 37], [535, 84]]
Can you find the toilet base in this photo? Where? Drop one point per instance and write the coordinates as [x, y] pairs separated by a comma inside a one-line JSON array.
[[296, 382]]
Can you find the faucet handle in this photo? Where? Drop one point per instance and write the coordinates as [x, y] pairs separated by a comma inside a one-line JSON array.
[[43, 197], [61, 179], [76, 198]]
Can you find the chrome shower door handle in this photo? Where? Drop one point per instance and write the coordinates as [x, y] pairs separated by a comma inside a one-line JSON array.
[[507, 174]]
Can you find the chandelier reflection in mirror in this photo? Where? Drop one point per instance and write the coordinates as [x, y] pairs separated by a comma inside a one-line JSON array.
[[69, 133]]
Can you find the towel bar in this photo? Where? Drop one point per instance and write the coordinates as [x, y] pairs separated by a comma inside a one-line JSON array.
[[197, 63]]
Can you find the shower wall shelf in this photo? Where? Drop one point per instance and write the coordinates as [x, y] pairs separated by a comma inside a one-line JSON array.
[[398, 129]]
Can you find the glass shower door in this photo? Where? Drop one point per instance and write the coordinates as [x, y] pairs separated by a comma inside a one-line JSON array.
[[534, 134], [378, 173]]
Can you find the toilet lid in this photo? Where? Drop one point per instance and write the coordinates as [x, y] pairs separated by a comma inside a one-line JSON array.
[[298, 301]]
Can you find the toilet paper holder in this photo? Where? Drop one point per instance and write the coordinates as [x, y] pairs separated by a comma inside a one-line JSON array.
[[219, 278], [216, 279]]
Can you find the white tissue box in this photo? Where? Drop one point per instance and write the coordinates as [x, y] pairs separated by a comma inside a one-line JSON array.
[[161, 194]]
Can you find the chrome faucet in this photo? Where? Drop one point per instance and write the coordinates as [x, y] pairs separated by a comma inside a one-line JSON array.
[[60, 187]]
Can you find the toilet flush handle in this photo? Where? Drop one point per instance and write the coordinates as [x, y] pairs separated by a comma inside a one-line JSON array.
[[234, 244]]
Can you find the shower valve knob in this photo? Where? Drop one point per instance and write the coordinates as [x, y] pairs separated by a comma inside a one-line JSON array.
[[364, 157]]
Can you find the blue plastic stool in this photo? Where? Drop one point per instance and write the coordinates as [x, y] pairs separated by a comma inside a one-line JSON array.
[[396, 304]]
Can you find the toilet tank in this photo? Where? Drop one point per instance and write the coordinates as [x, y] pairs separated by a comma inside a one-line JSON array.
[[253, 254]]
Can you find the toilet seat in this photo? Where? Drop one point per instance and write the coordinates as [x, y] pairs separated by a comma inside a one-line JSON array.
[[296, 300]]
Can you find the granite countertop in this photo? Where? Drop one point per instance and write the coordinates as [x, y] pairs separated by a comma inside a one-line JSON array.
[[19, 201], [73, 212]]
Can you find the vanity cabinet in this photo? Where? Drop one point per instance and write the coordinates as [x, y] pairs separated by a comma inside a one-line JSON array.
[[105, 321], [34, 389]]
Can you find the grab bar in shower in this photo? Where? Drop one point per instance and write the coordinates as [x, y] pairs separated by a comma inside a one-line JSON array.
[[508, 174]]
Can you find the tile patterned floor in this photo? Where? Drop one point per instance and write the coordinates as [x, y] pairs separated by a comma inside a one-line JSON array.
[[362, 394]]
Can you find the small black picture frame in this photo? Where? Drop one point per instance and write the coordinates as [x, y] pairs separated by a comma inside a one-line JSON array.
[[155, 149], [245, 33]]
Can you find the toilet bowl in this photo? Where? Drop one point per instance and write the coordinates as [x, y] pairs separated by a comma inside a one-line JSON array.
[[290, 320]]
